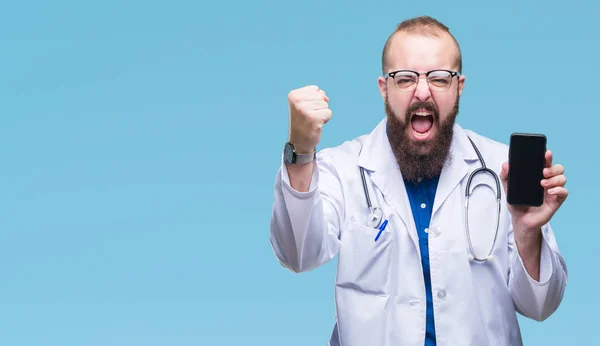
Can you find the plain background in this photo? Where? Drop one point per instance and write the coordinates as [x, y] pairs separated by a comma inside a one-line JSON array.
[[139, 142]]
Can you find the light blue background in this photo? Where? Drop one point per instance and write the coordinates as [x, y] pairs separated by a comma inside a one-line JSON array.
[[140, 140]]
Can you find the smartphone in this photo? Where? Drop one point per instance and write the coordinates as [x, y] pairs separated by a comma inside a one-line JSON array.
[[526, 162]]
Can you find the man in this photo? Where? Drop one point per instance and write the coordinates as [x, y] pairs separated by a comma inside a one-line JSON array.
[[413, 280]]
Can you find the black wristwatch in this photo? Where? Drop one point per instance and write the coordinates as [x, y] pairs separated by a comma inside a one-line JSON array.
[[292, 157]]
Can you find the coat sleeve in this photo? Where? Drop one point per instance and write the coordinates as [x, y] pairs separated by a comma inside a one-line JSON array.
[[533, 299], [304, 227]]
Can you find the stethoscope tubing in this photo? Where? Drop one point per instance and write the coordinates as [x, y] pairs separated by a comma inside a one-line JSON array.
[[376, 214]]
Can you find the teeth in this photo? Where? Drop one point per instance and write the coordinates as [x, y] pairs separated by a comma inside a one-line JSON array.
[[422, 114]]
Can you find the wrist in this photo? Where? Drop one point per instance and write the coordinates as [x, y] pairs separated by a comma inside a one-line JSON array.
[[527, 236]]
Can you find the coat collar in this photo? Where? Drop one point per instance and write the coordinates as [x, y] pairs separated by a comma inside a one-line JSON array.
[[377, 158], [376, 153]]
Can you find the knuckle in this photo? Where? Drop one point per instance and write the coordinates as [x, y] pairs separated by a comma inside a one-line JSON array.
[[301, 106], [310, 88], [293, 96], [302, 114]]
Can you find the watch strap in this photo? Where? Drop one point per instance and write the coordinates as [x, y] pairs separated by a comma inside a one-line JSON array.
[[304, 158]]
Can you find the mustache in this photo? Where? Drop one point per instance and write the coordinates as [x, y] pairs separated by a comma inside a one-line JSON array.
[[428, 106]]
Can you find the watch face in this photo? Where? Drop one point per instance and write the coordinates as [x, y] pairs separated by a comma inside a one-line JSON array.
[[288, 153]]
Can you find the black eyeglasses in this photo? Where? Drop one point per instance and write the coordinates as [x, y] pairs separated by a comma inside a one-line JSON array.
[[407, 80]]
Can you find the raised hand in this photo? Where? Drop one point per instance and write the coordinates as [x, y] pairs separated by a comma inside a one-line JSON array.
[[309, 111], [555, 193]]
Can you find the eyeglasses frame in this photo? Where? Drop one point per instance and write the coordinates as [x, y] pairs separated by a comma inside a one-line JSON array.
[[426, 74]]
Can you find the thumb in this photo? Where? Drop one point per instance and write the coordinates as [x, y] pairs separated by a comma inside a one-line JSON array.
[[504, 175]]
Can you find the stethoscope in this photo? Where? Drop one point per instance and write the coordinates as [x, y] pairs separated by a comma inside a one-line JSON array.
[[375, 216]]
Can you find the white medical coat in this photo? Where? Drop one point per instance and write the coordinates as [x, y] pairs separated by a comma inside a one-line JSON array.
[[379, 288]]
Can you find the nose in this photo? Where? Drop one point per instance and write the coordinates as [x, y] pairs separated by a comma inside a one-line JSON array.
[[422, 92]]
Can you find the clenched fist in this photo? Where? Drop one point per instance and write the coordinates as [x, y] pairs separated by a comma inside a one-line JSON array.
[[309, 111]]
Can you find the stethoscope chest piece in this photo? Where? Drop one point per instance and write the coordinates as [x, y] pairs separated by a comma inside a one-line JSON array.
[[375, 217]]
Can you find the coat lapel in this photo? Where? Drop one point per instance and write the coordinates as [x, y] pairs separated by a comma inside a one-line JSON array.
[[379, 161], [456, 168]]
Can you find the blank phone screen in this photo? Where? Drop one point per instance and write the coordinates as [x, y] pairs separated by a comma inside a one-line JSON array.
[[526, 165]]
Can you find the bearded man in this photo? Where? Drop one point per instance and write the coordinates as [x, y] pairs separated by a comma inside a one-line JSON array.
[[390, 205]]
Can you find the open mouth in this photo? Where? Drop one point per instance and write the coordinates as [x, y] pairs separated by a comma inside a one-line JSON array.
[[421, 122]]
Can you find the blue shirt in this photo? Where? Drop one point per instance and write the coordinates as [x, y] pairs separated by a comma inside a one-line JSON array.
[[421, 196]]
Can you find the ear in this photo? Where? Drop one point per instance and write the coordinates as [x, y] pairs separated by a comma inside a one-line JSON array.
[[382, 86], [461, 84]]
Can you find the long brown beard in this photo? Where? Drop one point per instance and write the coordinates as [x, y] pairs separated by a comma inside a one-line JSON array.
[[420, 160]]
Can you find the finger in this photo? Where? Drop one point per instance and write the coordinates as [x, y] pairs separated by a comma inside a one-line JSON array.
[[323, 114], [558, 180], [554, 170], [315, 96], [306, 91], [504, 176], [313, 105], [312, 92], [317, 105], [559, 191], [548, 158], [504, 171]]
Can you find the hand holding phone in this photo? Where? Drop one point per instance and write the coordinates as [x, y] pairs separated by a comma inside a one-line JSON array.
[[526, 169]]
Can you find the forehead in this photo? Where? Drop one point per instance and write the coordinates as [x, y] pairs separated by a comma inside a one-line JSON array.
[[422, 52]]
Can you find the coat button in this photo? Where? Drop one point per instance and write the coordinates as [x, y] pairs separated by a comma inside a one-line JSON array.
[[441, 294], [434, 231]]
